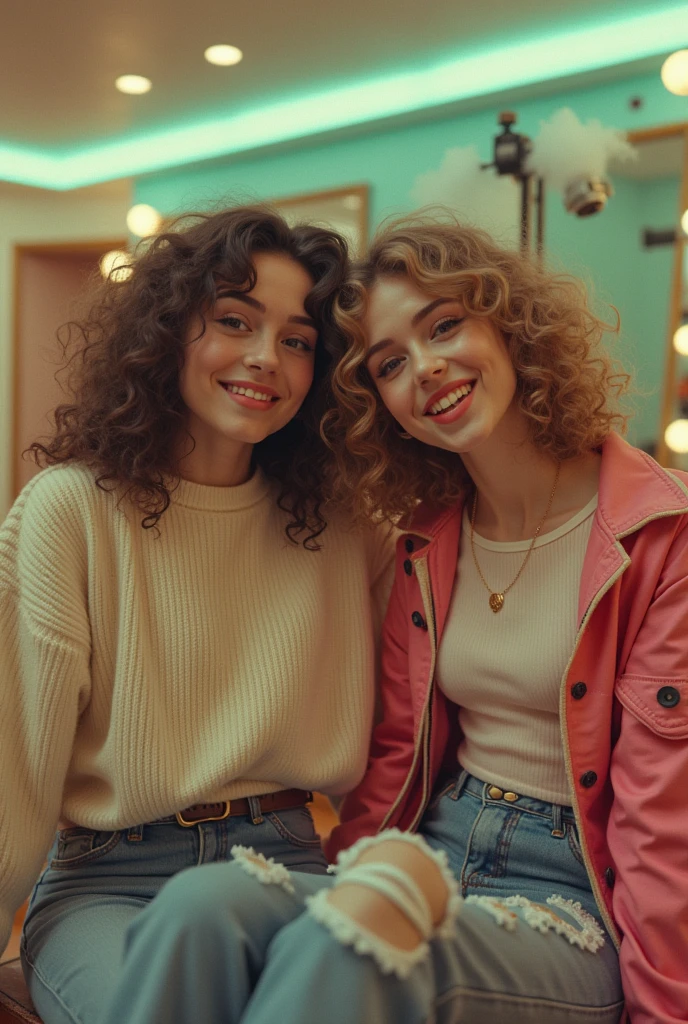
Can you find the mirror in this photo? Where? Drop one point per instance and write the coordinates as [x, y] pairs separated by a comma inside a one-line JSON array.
[[343, 209], [673, 442], [626, 254]]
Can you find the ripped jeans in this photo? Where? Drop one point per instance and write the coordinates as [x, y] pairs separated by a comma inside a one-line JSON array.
[[237, 942]]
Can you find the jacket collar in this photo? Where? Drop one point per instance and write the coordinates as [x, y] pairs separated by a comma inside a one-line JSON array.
[[633, 490]]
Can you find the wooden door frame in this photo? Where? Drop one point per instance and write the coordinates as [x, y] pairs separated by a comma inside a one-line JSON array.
[[87, 247]]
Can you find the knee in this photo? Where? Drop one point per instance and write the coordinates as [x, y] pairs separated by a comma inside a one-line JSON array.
[[206, 898], [424, 882], [392, 893]]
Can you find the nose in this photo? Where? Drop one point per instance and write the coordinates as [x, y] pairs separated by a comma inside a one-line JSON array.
[[429, 366], [263, 354]]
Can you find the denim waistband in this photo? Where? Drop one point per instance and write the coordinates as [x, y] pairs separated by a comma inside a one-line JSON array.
[[467, 783]]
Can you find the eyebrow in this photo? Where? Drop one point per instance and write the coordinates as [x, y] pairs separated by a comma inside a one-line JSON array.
[[228, 293], [415, 320]]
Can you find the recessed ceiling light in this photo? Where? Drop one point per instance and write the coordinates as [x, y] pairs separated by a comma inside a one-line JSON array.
[[223, 55], [134, 85], [675, 73], [143, 220]]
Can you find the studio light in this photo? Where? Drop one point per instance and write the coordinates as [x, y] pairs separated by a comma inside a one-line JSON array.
[[116, 265], [143, 220], [681, 340], [676, 436], [573, 158], [585, 196], [675, 73], [568, 156]]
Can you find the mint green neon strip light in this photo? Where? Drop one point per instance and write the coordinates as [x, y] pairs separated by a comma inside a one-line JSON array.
[[477, 74]]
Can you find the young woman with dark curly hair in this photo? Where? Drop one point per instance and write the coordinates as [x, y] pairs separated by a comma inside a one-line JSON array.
[[187, 643], [516, 849]]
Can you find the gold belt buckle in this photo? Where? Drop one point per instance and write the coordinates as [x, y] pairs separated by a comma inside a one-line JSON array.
[[199, 821]]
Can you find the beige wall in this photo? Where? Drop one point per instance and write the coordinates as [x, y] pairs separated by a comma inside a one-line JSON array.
[[33, 216]]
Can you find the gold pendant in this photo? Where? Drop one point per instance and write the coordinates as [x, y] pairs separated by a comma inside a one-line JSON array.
[[496, 602]]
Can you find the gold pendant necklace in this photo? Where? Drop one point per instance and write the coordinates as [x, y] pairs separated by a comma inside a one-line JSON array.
[[497, 597]]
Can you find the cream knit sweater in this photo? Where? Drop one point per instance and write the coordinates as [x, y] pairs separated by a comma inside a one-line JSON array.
[[142, 674]]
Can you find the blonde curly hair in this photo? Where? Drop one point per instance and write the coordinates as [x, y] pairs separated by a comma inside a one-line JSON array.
[[568, 386]]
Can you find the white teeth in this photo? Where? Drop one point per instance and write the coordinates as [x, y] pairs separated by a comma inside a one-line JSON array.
[[249, 392], [450, 399]]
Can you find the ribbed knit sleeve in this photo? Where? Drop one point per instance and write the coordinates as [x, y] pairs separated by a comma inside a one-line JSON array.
[[44, 678]]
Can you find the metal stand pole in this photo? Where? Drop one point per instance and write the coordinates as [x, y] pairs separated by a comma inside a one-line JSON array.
[[525, 212], [540, 235]]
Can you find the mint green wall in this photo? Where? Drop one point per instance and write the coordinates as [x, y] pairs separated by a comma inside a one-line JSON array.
[[389, 159], [605, 249]]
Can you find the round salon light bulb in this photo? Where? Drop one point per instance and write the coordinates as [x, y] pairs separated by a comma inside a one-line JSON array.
[[681, 340], [675, 73], [133, 85], [116, 265], [143, 220], [223, 55], [676, 436], [684, 222]]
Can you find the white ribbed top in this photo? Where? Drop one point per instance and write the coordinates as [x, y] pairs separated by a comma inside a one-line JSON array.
[[142, 674], [504, 669]]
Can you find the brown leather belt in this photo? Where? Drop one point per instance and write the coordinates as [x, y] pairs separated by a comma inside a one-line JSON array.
[[280, 801]]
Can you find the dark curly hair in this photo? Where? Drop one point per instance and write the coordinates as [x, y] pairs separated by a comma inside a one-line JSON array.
[[126, 410], [568, 387]]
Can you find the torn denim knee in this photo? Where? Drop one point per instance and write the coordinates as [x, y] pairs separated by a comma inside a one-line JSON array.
[[267, 871], [589, 935], [389, 958], [401, 889], [347, 858]]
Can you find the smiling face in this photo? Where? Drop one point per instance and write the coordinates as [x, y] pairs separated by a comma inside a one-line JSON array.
[[250, 370], [446, 378]]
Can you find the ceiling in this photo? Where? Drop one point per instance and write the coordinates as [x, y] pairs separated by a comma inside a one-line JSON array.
[[58, 63]]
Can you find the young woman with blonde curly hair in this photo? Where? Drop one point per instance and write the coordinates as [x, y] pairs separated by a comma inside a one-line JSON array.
[[534, 696], [516, 849], [186, 633]]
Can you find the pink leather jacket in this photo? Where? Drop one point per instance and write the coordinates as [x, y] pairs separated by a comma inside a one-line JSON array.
[[623, 711]]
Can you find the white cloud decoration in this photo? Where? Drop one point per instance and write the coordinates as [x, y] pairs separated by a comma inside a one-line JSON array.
[[477, 197], [567, 149]]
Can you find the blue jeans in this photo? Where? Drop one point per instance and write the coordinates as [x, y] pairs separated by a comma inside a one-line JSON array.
[[222, 946], [98, 883]]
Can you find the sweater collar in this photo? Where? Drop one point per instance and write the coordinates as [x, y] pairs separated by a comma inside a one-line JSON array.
[[221, 499]]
